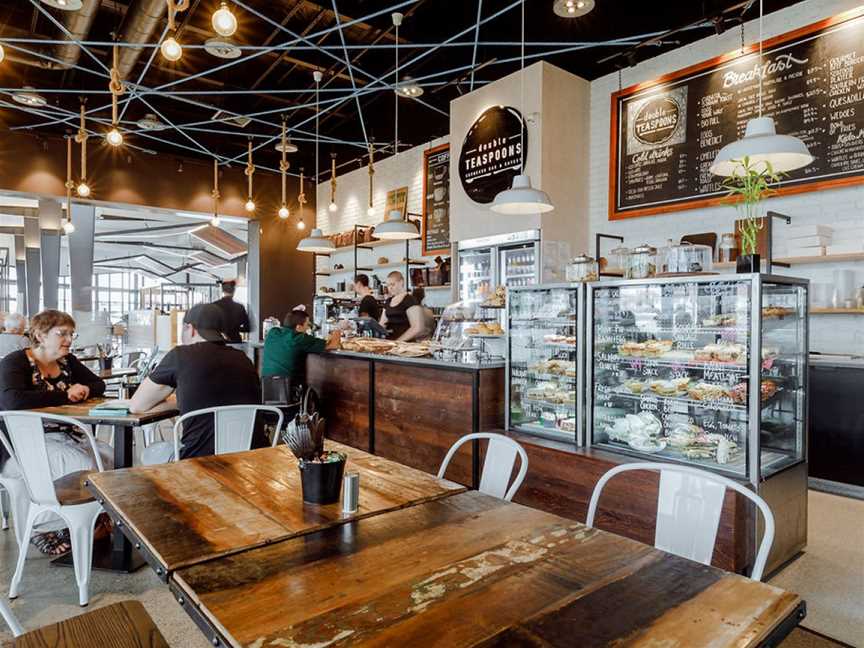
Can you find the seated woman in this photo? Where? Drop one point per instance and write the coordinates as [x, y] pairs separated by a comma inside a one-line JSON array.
[[47, 375]]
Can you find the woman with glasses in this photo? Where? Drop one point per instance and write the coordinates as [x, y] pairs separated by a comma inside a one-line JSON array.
[[47, 375]]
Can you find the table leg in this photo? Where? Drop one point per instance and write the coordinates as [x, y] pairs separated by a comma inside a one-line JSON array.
[[114, 554]]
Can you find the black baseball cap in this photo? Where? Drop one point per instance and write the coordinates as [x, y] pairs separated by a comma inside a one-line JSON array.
[[207, 320]]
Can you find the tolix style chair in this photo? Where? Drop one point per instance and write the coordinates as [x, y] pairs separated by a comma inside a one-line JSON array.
[[501, 456]]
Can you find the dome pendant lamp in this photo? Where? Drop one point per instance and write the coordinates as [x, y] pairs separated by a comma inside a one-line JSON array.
[[394, 227], [761, 143], [521, 197]]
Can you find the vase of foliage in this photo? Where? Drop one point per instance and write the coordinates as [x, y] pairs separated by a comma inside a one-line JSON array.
[[747, 188]]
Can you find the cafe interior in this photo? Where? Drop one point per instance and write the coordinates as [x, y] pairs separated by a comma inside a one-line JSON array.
[[409, 323]]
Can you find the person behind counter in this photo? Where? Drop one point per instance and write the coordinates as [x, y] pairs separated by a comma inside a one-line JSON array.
[[286, 347], [48, 375], [234, 317], [369, 306], [402, 314]]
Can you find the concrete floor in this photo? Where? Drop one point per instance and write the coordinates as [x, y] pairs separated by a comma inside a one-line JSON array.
[[830, 577]]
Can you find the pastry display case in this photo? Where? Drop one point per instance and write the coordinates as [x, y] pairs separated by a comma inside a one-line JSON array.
[[545, 325], [469, 332], [706, 370]]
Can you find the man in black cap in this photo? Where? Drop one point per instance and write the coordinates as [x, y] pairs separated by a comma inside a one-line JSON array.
[[204, 372], [235, 319]]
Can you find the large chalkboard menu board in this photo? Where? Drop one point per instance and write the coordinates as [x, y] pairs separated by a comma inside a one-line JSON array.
[[436, 199], [666, 133]]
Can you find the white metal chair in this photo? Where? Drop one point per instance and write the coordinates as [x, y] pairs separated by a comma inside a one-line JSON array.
[[689, 504], [19, 502], [26, 444], [498, 466], [233, 426], [10, 619]]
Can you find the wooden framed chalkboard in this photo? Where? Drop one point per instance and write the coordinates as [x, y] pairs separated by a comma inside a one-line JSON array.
[[666, 133], [436, 199]]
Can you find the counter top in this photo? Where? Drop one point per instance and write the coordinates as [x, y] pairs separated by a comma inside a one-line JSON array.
[[848, 361], [421, 362]]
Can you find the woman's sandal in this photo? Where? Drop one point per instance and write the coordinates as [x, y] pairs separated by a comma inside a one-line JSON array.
[[53, 543]]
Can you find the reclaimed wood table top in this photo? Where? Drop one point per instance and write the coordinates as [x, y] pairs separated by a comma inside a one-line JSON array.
[[81, 412], [472, 570], [203, 508], [121, 625], [117, 372]]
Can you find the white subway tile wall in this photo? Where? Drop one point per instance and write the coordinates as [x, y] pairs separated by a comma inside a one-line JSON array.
[[841, 209]]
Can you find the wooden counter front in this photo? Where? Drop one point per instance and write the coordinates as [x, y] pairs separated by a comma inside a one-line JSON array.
[[408, 412]]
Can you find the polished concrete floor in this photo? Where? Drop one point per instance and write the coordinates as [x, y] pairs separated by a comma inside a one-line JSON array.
[[830, 576]]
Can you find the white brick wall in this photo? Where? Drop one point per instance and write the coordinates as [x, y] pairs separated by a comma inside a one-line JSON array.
[[839, 208]]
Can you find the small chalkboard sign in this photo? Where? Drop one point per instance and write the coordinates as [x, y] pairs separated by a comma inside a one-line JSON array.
[[667, 132], [436, 199]]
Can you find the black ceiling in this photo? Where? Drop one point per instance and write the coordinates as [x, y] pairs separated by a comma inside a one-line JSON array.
[[427, 23]]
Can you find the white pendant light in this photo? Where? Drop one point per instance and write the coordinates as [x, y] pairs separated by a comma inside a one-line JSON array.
[[521, 198], [394, 228], [224, 22], [171, 49], [761, 144], [316, 242]]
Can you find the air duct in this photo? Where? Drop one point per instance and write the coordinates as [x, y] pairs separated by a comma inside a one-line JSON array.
[[142, 20], [78, 24]]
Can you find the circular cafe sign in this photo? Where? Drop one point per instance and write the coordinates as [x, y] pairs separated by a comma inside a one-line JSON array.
[[656, 121], [492, 153]]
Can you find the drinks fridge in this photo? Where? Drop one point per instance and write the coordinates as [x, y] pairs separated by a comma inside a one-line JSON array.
[[511, 260]]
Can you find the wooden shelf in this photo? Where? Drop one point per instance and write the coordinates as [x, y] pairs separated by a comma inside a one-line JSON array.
[[428, 288], [825, 258], [373, 267], [837, 311], [371, 244]]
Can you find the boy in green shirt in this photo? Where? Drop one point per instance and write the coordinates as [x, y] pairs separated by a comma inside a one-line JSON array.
[[286, 347]]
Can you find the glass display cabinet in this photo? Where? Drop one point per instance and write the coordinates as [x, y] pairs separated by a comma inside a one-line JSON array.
[[545, 347], [709, 371]]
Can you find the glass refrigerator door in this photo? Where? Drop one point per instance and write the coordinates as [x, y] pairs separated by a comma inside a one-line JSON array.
[[670, 377], [518, 266], [475, 274], [542, 360], [784, 376]]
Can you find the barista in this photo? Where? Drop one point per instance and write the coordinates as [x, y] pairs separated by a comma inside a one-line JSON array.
[[369, 306], [402, 314]]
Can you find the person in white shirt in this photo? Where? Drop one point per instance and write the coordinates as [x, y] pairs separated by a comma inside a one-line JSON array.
[[12, 338]]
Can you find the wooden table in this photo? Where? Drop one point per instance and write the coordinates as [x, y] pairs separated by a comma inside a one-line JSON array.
[[118, 372], [433, 565], [120, 557], [199, 509]]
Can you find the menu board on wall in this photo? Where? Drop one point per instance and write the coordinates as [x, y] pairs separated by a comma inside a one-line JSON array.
[[666, 133], [436, 199]]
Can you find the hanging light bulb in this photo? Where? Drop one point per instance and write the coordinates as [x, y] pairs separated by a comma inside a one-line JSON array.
[[333, 207], [284, 212], [114, 137], [300, 224], [83, 189], [522, 198], [171, 49], [761, 144], [2, 53], [68, 227], [250, 170], [224, 22], [215, 221]]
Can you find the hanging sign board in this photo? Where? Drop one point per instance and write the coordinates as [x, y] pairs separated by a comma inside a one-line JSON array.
[[492, 153], [436, 199], [666, 133], [397, 199]]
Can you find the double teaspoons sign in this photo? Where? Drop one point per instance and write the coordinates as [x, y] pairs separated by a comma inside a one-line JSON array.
[[492, 153]]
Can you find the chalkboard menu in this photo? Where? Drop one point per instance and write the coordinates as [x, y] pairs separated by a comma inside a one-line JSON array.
[[436, 199], [666, 133]]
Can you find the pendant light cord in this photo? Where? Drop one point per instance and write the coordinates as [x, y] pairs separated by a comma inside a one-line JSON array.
[[396, 99], [317, 137], [522, 96], [761, 68]]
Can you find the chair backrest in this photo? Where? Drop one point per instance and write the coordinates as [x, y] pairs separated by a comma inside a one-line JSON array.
[[25, 442], [689, 504], [498, 466], [233, 426]]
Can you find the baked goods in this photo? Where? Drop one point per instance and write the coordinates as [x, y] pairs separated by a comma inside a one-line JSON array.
[[767, 389], [722, 352], [722, 319], [641, 425], [635, 386], [649, 349], [485, 328], [704, 391], [568, 340], [555, 368], [497, 299], [776, 312], [673, 387], [567, 425]]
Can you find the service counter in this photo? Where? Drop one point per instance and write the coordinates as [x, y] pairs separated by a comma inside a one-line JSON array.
[[413, 410]]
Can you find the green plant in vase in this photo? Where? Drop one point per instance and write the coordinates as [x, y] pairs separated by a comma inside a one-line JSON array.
[[750, 185]]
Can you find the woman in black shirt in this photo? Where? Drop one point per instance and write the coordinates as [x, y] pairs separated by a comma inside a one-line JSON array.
[[402, 314], [368, 306], [47, 375]]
